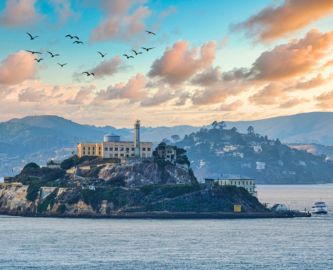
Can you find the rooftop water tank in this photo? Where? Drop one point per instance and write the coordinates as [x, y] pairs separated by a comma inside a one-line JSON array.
[[111, 138]]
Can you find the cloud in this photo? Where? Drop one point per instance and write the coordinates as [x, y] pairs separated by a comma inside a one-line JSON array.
[[213, 94], [279, 21], [17, 68], [234, 106], [31, 95], [108, 67], [293, 102], [180, 63], [83, 96], [268, 95], [63, 9], [19, 13], [309, 84], [134, 90], [158, 98], [325, 100], [208, 77], [287, 60], [123, 19]]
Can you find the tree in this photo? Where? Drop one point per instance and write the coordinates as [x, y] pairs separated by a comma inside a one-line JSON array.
[[234, 129], [250, 130], [166, 141], [215, 124], [175, 138], [222, 125]]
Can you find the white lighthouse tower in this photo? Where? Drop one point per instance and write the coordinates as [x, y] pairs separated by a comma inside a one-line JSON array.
[[137, 150]]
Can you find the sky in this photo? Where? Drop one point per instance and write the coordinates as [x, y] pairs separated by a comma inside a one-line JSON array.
[[211, 60]]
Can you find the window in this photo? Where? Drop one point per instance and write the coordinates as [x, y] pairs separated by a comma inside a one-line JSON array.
[[132, 148], [110, 149], [121, 155], [122, 149], [127, 149], [148, 149], [144, 149], [116, 155], [116, 149], [105, 149]]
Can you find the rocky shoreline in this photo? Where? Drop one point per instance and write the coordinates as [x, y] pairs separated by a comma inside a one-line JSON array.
[[171, 215]]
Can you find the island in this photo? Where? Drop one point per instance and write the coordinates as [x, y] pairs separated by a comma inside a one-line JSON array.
[[161, 186]]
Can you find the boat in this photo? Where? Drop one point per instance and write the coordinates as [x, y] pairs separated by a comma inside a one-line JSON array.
[[319, 208]]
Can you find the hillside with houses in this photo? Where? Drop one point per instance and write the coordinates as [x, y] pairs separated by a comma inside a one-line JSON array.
[[217, 151]]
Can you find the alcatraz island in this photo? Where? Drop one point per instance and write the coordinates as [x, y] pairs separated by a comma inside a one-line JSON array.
[[128, 179]]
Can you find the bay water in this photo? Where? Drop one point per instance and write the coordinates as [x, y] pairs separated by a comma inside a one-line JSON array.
[[58, 244]]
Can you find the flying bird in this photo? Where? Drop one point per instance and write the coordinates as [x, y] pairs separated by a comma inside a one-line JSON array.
[[136, 53], [102, 54], [147, 49], [71, 36], [150, 33], [33, 52], [88, 73], [53, 55], [31, 36], [62, 65], [128, 56], [78, 42], [38, 59]]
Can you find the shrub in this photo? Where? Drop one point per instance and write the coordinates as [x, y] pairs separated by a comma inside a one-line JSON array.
[[69, 162], [33, 191]]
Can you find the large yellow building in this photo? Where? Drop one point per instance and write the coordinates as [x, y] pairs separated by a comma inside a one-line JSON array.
[[113, 147]]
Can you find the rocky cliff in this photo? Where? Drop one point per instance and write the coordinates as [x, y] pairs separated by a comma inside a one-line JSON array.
[[120, 201]]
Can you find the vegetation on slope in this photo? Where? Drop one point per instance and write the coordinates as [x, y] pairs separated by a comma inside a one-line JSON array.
[[217, 150]]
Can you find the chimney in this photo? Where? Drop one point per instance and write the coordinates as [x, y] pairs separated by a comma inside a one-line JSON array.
[[137, 139]]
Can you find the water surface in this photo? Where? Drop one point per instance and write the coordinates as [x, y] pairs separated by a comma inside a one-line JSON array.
[[57, 244]]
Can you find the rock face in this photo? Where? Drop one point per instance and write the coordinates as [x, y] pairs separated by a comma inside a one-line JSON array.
[[138, 174], [13, 201], [120, 201]]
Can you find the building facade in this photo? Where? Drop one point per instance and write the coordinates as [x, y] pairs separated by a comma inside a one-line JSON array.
[[166, 152], [113, 147], [246, 183]]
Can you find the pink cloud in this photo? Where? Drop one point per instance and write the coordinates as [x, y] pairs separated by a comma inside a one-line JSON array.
[[108, 67], [17, 68], [278, 21], [180, 62], [63, 8], [19, 13], [295, 58], [325, 100], [134, 90], [233, 106], [123, 19]]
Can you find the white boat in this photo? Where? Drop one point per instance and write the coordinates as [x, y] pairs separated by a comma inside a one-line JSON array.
[[319, 208]]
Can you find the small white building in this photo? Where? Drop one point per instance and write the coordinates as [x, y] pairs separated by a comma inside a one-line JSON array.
[[246, 183]]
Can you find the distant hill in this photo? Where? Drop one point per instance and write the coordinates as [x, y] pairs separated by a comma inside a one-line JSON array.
[[220, 152], [39, 138], [315, 127]]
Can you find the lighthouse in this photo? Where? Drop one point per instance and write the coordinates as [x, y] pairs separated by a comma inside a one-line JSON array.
[[137, 150]]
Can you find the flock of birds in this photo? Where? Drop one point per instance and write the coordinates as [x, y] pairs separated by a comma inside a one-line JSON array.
[[78, 41]]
